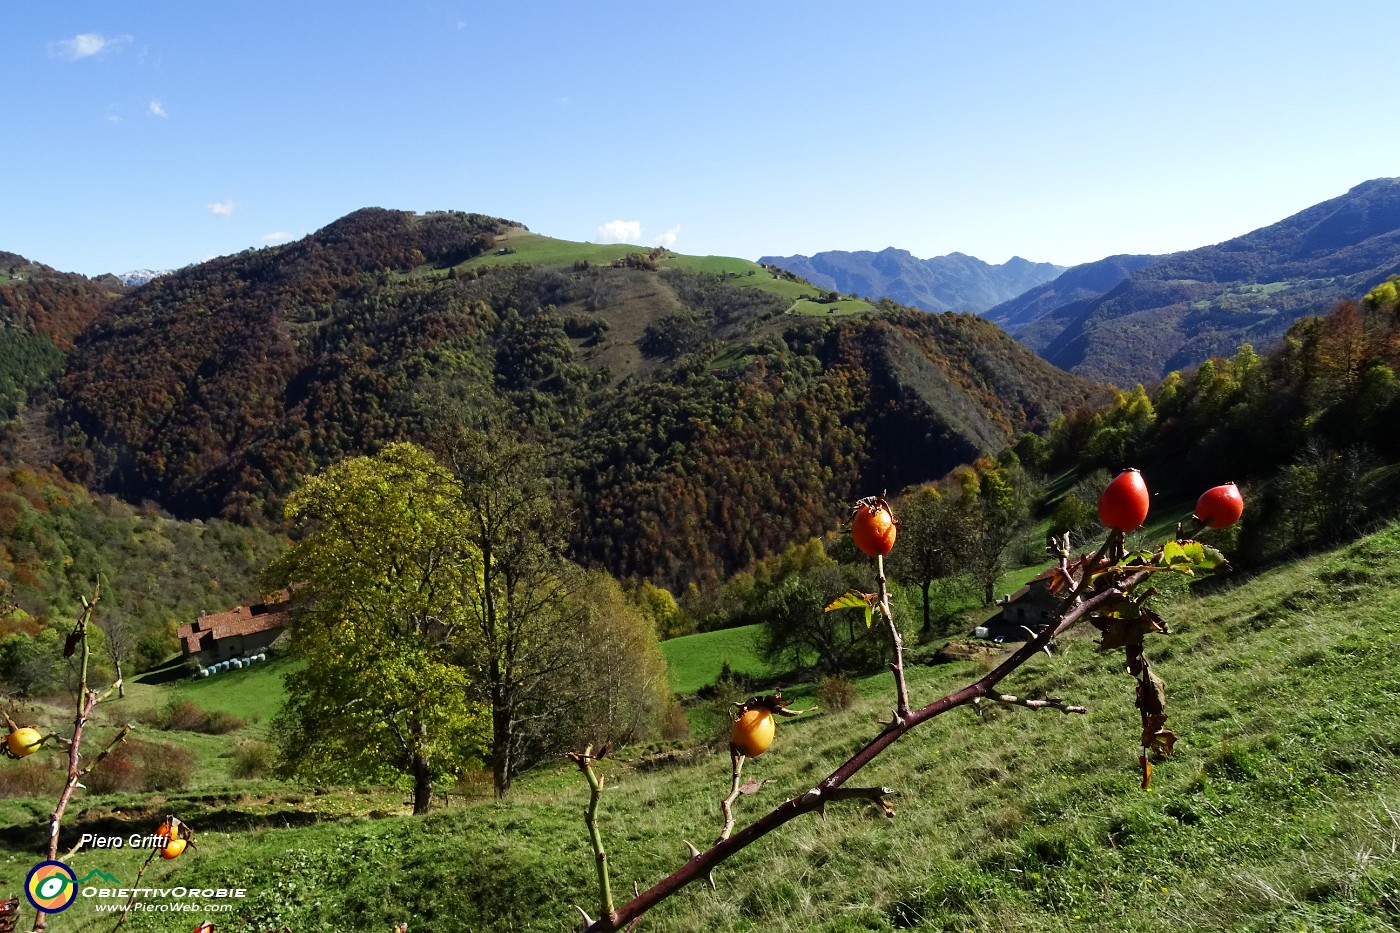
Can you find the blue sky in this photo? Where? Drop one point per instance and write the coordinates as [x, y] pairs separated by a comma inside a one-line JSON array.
[[156, 134]]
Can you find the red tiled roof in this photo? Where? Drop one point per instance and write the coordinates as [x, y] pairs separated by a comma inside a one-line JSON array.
[[206, 631]]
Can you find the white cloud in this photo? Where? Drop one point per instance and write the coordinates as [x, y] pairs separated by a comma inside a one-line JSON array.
[[620, 231], [113, 119], [86, 45], [221, 208], [667, 239], [156, 110], [281, 236]]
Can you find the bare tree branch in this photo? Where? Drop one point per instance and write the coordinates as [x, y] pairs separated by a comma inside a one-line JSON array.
[[831, 787]]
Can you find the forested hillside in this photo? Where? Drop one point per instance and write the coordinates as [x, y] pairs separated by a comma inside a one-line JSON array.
[[678, 395], [59, 544], [1079, 284], [682, 397], [1307, 429], [42, 312]]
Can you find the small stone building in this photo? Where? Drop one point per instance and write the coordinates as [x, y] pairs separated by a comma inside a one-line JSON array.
[[1031, 607], [235, 633]]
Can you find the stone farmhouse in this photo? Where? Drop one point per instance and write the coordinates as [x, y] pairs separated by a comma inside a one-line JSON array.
[[1032, 607], [235, 633]]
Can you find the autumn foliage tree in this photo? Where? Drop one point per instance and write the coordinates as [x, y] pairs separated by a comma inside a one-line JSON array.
[[618, 693], [521, 622], [440, 623], [929, 549], [1306, 428], [962, 527], [380, 619]]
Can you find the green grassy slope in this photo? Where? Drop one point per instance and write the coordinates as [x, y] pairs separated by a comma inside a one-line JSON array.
[[546, 251], [695, 660], [1280, 809], [255, 692]]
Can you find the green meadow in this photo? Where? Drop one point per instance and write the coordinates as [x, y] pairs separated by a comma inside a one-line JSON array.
[[532, 248], [1280, 809], [696, 660]]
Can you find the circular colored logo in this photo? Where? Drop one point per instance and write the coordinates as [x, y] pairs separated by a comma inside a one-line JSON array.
[[51, 887]]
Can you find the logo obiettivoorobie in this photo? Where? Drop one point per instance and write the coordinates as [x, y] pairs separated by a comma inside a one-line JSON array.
[[51, 887]]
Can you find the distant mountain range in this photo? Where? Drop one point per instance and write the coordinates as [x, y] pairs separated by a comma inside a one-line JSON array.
[[1179, 310], [1080, 283], [1134, 318], [955, 282]]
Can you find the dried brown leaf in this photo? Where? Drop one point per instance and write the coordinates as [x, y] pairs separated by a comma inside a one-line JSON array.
[[1162, 741]]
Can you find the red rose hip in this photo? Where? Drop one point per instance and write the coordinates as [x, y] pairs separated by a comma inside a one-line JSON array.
[[1123, 505], [1220, 506], [873, 527]]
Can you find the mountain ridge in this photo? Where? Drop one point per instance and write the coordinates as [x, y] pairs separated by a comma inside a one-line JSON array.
[[954, 282], [1077, 283], [1181, 309], [687, 394]]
